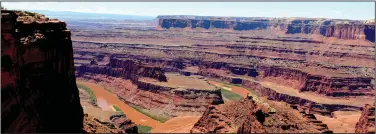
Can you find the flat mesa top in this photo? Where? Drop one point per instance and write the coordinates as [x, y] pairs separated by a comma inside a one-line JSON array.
[[294, 20], [175, 80]]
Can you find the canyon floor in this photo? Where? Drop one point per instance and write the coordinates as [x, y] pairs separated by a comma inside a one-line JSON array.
[[107, 100], [168, 79]]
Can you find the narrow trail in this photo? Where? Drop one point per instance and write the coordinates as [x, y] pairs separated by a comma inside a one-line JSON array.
[[112, 99]]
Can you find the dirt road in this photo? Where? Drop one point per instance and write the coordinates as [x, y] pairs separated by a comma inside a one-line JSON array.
[[112, 99]]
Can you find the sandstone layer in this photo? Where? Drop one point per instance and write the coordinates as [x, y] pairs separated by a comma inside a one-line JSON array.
[[325, 63], [245, 116], [366, 123], [309, 79], [39, 92], [320, 107], [342, 29]]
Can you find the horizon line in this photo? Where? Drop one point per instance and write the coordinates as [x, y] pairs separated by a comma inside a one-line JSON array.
[[156, 16]]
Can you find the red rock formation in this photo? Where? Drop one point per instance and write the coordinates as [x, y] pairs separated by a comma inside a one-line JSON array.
[[330, 86], [342, 29], [39, 92], [139, 69], [93, 125], [173, 101], [366, 123], [224, 118], [124, 124], [245, 116], [324, 109], [127, 69], [119, 124], [318, 81]]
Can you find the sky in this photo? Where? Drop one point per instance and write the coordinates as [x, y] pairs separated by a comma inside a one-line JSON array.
[[336, 10]]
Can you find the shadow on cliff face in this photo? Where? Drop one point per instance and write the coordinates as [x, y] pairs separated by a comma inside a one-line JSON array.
[[39, 92], [369, 31]]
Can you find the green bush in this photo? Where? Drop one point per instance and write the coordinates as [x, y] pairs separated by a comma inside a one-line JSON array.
[[117, 109], [93, 98], [144, 129], [230, 95], [109, 90], [153, 116]]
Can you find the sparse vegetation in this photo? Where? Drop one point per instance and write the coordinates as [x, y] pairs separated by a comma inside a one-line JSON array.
[[144, 129], [109, 90], [149, 114], [93, 98], [230, 95], [117, 109]]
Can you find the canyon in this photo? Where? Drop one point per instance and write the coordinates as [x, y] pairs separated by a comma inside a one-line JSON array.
[[342, 29], [292, 74]]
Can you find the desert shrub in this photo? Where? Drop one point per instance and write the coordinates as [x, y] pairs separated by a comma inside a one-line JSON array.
[[144, 129], [230, 95], [159, 118], [117, 109], [93, 98]]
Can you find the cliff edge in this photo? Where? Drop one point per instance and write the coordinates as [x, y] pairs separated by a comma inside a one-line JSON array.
[[366, 123], [339, 28], [38, 85]]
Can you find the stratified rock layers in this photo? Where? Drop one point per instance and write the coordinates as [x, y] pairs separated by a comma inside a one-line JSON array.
[[245, 116], [366, 123], [39, 92], [342, 29], [293, 77]]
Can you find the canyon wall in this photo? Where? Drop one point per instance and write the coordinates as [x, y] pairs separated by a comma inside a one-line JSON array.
[[167, 101], [126, 75], [126, 68], [328, 85], [39, 92], [256, 87], [246, 116], [366, 123], [342, 29]]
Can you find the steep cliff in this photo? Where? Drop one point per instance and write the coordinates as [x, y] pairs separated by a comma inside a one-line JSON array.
[[320, 82], [260, 90], [342, 29], [366, 123], [246, 116], [39, 92], [125, 68], [323, 81], [150, 96]]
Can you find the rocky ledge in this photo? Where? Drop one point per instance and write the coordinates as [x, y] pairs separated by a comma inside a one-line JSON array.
[[366, 123], [38, 85], [342, 29], [245, 116]]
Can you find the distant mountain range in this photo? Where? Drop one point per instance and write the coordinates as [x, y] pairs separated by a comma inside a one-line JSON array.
[[68, 15]]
